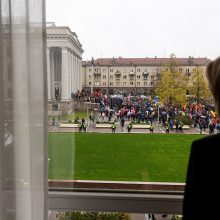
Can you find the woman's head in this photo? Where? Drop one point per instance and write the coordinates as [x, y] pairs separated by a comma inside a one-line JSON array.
[[213, 74]]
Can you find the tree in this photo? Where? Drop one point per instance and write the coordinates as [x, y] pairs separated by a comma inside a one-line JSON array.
[[171, 85], [198, 85]]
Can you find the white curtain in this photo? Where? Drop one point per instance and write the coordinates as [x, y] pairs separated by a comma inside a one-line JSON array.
[[23, 110]]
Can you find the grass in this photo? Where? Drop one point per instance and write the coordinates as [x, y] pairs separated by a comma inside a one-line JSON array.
[[66, 117], [121, 157]]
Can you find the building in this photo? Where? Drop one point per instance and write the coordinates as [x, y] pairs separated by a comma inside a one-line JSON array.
[[64, 62], [132, 75]]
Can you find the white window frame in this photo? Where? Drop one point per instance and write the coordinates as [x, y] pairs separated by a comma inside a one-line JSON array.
[[132, 201]]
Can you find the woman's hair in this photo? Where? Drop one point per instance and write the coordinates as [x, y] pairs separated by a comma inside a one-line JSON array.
[[213, 74]]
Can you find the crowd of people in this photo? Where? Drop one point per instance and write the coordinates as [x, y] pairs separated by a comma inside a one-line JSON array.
[[142, 109]]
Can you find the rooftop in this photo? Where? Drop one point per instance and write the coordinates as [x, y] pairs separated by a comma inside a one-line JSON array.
[[190, 61]]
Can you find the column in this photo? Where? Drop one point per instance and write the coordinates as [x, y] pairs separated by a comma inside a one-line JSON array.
[[80, 74], [48, 75], [65, 71], [75, 73]]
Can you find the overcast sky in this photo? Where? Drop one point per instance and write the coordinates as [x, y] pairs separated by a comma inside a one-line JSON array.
[[141, 28]]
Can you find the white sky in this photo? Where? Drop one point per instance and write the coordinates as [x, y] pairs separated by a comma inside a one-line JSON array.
[[141, 28]]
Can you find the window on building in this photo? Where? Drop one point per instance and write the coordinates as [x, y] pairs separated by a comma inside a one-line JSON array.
[[131, 83], [97, 70], [90, 70], [104, 83], [104, 76], [90, 83], [138, 76], [90, 76], [145, 83], [111, 77], [124, 83], [124, 76], [104, 70], [97, 83], [138, 83], [138, 70], [117, 83], [111, 70], [111, 83], [55, 107]]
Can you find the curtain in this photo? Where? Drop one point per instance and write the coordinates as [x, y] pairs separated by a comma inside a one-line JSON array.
[[23, 110]]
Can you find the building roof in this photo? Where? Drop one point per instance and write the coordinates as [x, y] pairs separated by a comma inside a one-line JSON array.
[[190, 61]]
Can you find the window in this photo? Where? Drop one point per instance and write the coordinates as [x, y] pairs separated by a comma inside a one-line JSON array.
[[90, 76], [126, 65], [97, 70], [90, 70], [97, 76], [90, 83], [55, 107]]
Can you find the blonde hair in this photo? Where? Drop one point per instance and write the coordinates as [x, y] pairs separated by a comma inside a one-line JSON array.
[[213, 74]]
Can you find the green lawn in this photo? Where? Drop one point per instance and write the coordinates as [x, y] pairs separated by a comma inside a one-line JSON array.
[[122, 157], [66, 117]]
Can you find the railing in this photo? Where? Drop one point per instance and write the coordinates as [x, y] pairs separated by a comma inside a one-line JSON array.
[[132, 197]]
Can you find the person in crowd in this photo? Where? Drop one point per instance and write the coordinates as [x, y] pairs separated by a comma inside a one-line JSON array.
[[167, 128], [80, 127], [84, 126], [122, 123], [151, 128], [202, 184], [129, 127], [113, 127]]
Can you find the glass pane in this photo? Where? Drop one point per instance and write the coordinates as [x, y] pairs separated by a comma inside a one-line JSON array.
[[125, 122]]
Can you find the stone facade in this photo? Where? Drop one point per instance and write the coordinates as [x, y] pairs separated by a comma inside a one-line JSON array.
[[64, 61], [133, 75]]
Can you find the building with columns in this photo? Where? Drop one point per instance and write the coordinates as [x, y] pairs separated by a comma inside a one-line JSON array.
[[133, 75], [64, 65]]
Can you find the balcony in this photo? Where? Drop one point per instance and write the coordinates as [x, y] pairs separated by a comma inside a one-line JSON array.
[[97, 73], [145, 74], [118, 73], [131, 73]]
